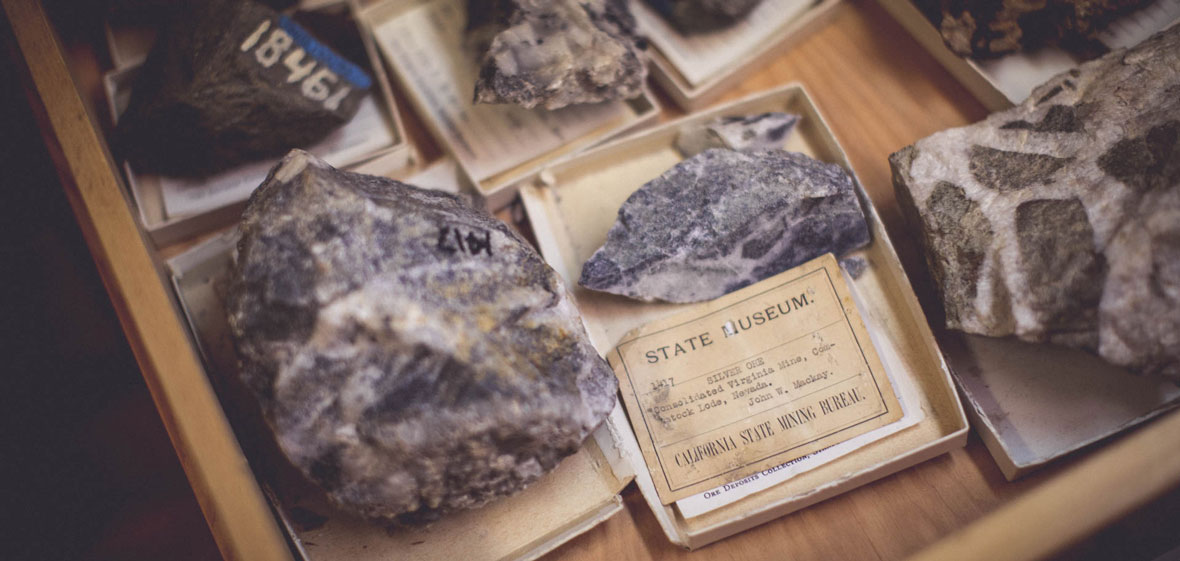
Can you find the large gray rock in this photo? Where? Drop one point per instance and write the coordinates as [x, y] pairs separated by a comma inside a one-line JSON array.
[[229, 82], [723, 220], [412, 355], [554, 53], [1059, 220], [695, 16]]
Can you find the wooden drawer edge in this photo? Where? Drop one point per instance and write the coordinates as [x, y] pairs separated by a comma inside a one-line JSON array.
[[226, 489]]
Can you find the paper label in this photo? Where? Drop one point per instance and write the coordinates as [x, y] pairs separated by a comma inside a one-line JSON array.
[[426, 45], [700, 56], [747, 382]]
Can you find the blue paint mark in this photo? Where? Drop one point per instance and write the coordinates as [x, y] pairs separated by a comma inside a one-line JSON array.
[[322, 53]]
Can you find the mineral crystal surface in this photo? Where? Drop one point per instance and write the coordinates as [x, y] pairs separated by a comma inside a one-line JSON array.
[[554, 53], [990, 28], [229, 82], [723, 220], [737, 132], [1059, 220], [693, 16], [412, 355]]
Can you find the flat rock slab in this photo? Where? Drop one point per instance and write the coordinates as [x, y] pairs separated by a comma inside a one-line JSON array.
[[1059, 220], [230, 82], [723, 220], [557, 53], [413, 355]]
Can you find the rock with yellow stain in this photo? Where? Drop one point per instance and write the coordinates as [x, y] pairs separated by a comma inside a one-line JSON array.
[[412, 354]]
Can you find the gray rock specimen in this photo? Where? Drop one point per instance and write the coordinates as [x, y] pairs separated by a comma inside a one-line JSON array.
[[413, 355], [737, 132], [229, 82], [1059, 220], [723, 220], [696, 16], [554, 53]]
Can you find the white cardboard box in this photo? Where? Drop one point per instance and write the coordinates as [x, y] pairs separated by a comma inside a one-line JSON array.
[[394, 159], [573, 203]]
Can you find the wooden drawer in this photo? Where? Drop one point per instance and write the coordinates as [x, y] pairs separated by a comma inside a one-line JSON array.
[[881, 92]]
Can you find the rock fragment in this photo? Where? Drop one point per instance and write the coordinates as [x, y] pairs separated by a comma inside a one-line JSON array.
[[1059, 220], [555, 53], [738, 132], [723, 220], [412, 355], [695, 16], [229, 82]]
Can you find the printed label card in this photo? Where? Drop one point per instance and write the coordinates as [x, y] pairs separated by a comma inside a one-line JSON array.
[[752, 380]]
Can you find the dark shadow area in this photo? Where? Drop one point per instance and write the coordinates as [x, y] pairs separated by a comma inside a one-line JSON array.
[[89, 471]]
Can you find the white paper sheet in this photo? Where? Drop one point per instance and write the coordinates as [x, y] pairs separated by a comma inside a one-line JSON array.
[[425, 44], [903, 387], [367, 132], [698, 57]]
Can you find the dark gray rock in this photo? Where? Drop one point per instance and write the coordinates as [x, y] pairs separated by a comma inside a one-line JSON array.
[[696, 16], [554, 53], [1059, 220], [723, 220], [230, 82], [738, 132], [997, 27], [412, 355]]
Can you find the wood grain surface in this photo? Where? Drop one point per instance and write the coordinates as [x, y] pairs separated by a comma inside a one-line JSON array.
[[879, 91]]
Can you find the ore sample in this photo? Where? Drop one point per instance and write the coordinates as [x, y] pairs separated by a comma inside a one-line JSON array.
[[738, 132], [697, 16], [986, 29], [412, 355], [723, 220], [1059, 220], [557, 52], [230, 82]]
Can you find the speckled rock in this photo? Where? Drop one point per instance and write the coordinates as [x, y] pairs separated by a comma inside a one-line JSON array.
[[694, 16], [723, 220], [554, 53], [229, 82], [737, 132], [1059, 220], [413, 355], [989, 28]]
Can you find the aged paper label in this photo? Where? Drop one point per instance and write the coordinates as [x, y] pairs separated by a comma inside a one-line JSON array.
[[756, 378]]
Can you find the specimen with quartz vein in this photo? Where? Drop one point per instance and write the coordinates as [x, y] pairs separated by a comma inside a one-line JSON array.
[[413, 355]]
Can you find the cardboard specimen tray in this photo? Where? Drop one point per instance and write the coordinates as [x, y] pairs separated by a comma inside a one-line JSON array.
[[582, 492], [1032, 403], [572, 204], [171, 209], [697, 68], [1006, 81], [497, 146]]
